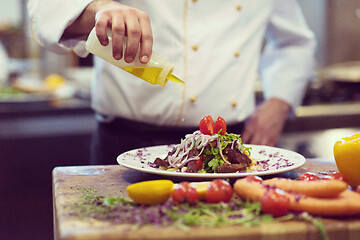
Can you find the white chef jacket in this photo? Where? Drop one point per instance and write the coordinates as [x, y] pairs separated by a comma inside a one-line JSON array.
[[217, 48]]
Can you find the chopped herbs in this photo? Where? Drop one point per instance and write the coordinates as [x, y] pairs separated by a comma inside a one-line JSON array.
[[120, 211]]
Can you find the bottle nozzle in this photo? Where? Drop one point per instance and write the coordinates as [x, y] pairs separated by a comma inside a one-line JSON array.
[[175, 79]]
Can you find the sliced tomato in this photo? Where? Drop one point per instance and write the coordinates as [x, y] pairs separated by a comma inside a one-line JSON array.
[[339, 176], [253, 178], [219, 190], [206, 125], [275, 202], [184, 192], [358, 189], [179, 194], [220, 126], [191, 194], [326, 177], [309, 176]]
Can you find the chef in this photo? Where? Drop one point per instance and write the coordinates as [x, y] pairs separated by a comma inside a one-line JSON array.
[[219, 49]]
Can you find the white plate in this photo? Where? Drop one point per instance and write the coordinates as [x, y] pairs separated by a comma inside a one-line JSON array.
[[270, 160]]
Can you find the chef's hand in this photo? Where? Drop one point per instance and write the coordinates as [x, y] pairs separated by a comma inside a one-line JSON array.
[[265, 126], [123, 21]]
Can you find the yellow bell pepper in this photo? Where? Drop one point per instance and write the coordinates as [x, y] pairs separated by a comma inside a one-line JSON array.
[[347, 157]]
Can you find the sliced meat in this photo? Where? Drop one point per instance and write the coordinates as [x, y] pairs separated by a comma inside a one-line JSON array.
[[191, 167], [208, 147], [161, 163], [213, 144], [231, 168], [193, 152], [236, 157]]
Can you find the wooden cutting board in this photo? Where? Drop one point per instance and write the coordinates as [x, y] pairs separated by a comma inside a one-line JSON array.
[[113, 180]]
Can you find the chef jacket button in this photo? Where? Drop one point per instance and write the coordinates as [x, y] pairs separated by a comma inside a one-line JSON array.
[[238, 7], [237, 54], [234, 104], [192, 99], [195, 47]]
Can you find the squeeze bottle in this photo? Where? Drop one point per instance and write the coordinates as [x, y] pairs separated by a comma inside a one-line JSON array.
[[157, 71]]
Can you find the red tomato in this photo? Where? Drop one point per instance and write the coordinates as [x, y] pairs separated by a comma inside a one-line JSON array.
[[358, 189], [179, 194], [220, 124], [206, 125], [192, 195], [309, 176], [199, 163], [185, 192], [219, 190], [253, 178], [326, 177], [338, 176], [275, 202]]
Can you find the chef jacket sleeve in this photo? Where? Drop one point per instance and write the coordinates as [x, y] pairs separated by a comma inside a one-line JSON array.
[[50, 18], [288, 58]]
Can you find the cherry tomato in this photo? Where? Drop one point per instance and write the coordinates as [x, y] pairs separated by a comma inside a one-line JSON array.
[[199, 163], [309, 176], [219, 190], [253, 178], [179, 194], [220, 124], [275, 202], [206, 125], [338, 176], [358, 189], [326, 177], [192, 195], [185, 192]]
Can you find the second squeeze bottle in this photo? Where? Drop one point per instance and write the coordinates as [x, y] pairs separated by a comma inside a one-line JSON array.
[[157, 71]]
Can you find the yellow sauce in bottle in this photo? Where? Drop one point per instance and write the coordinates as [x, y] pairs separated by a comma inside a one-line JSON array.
[[157, 71], [150, 74], [175, 79]]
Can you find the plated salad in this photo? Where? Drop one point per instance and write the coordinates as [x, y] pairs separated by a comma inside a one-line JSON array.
[[208, 150]]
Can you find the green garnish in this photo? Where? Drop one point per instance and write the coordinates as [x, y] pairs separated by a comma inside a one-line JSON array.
[[237, 212], [213, 154], [317, 222], [119, 210], [213, 215], [230, 137]]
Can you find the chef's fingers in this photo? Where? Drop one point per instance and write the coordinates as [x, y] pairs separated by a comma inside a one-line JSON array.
[[255, 133], [247, 133], [125, 21], [118, 33], [264, 139], [102, 21], [146, 41], [133, 31], [259, 136]]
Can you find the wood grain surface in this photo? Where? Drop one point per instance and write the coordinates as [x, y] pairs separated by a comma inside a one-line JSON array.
[[113, 180]]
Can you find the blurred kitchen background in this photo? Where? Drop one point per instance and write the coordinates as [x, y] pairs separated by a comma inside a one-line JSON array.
[[46, 120]]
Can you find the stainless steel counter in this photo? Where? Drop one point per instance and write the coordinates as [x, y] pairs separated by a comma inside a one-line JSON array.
[[46, 118], [325, 116]]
